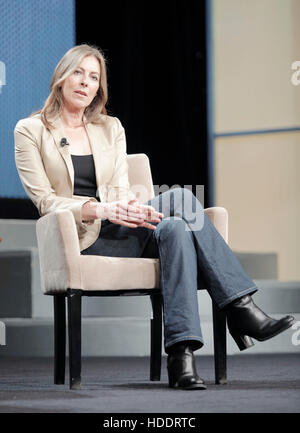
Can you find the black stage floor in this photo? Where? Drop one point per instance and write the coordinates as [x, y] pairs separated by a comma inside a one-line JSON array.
[[256, 383]]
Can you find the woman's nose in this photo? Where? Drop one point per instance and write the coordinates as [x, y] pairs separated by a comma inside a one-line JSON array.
[[84, 81]]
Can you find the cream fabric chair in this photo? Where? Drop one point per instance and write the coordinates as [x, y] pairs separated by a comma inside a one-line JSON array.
[[67, 274]]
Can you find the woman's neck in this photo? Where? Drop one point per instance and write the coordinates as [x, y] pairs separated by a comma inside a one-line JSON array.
[[72, 119]]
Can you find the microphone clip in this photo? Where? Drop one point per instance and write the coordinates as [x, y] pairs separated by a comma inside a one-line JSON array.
[[64, 142]]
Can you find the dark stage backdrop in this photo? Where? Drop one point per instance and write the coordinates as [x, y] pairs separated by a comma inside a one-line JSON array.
[[156, 58]]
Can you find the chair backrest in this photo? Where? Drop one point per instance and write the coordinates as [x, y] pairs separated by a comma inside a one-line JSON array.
[[140, 178]]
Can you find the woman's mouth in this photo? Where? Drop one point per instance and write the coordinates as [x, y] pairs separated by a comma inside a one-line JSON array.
[[80, 92]]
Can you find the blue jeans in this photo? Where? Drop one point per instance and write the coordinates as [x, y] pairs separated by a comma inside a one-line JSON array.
[[193, 255]]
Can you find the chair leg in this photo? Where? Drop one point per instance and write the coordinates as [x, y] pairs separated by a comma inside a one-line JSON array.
[[219, 325], [59, 338], [156, 337], [74, 327]]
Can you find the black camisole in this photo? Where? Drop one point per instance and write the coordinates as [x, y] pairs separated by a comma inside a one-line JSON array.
[[84, 176]]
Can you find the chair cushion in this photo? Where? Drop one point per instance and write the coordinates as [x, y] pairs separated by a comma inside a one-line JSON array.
[[118, 273], [103, 273]]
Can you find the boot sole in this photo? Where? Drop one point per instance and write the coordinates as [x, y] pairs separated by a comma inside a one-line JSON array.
[[189, 388]]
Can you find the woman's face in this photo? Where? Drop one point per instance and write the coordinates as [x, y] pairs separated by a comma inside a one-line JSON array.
[[80, 88]]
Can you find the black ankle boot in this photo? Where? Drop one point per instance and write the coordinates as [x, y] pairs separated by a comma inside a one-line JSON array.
[[182, 369], [245, 320]]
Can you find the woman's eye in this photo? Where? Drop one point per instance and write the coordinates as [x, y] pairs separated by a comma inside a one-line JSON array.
[[95, 77], [77, 71]]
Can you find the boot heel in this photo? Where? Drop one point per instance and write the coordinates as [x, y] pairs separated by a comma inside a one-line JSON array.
[[243, 341]]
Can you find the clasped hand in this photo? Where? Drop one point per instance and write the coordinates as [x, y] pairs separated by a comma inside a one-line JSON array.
[[129, 213]]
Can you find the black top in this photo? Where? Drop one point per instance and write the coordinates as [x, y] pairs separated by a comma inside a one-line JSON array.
[[84, 175]]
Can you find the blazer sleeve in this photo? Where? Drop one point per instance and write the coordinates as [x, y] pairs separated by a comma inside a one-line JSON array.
[[34, 178], [119, 187]]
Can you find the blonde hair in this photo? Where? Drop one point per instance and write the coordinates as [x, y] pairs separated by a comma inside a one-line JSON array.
[[65, 67]]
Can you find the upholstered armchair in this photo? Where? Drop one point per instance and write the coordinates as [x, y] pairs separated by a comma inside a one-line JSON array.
[[66, 274]]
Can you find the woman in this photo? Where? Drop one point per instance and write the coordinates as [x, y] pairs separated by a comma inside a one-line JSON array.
[[72, 155]]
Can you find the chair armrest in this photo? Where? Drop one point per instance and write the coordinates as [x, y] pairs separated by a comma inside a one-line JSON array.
[[219, 218], [59, 251]]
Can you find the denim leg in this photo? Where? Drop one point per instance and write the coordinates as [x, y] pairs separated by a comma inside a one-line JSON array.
[[220, 272], [178, 276]]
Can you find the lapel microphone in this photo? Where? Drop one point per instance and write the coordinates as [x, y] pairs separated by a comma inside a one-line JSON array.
[[63, 142]]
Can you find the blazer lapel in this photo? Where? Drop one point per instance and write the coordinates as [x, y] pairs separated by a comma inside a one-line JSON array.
[[99, 145], [58, 133]]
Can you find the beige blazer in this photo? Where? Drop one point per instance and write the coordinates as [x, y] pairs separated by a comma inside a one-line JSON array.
[[47, 174]]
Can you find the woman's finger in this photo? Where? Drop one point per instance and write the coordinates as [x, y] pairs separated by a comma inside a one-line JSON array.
[[143, 211], [123, 215], [124, 223], [134, 219], [133, 209], [151, 211], [148, 226]]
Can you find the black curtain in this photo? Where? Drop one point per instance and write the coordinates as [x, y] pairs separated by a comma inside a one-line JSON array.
[[156, 59]]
